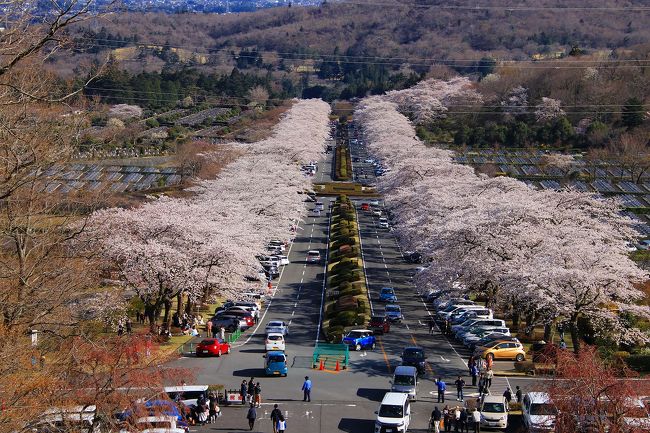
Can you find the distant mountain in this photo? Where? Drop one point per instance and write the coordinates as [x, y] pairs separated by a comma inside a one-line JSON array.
[[212, 6]]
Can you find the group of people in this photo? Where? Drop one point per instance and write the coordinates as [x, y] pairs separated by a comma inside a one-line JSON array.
[[277, 418], [459, 417], [251, 393], [206, 411]]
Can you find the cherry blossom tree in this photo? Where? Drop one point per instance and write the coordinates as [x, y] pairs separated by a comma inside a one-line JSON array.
[[548, 109], [498, 236]]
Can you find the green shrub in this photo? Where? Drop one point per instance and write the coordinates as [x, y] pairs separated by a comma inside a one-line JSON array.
[[360, 319], [345, 286], [524, 366], [335, 333], [351, 291], [361, 306], [344, 318]]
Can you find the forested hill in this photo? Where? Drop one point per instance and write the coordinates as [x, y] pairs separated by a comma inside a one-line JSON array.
[[437, 30]]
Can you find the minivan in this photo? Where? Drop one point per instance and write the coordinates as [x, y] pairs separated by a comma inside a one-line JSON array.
[[394, 414], [494, 412], [405, 380], [538, 413]]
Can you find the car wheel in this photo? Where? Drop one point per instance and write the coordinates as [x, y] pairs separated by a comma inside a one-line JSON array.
[[219, 353], [373, 346], [519, 357], [357, 347]]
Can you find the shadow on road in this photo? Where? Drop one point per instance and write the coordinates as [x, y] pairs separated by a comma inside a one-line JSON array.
[[372, 394], [250, 372], [354, 425]]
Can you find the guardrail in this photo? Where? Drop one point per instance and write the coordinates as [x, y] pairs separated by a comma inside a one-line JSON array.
[[231, 338]]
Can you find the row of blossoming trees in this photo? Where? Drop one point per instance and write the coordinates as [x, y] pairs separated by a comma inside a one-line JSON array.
[[545, 256], [205, 245]]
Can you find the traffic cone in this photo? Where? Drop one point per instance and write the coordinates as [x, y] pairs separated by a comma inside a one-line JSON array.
[[338, 367], [322, 366]]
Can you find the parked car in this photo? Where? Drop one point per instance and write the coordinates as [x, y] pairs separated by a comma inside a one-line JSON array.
[[376, 212], [644, 244], [494, 412], [538, 412], [365, 206], [360, 339], [387, 294], [271, 271], [472, 324], [277, 327], [394, 414], [281, 259], [413, 257], [393, 312], [319, 206], [472, 340], [253, 310], [277, 243], [63, 419], [501, 350], [460, 310], [229, 323], [313, 256], [275, 363], [212, 347], [442, 303], [374, 202], [383, 223], [156, 424], [415, 357], [379, 324], [477, 329], [246, 318], [274, 341]]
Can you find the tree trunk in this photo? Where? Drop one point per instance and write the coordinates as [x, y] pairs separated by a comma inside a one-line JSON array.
[[530, 325], [167, 317], [179, 303], [515, 320], [188, 307], [575, 338], [548, 332], [150, 312]]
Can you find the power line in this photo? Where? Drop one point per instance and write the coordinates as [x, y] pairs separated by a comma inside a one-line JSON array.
[[563, 63], [498, 7]]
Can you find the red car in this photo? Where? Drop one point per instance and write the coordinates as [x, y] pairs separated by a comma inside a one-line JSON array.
[[212, 346], [379, 324], [365, 206]]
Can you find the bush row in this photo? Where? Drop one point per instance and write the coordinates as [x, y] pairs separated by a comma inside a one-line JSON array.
[[343, 162], [347, 295]]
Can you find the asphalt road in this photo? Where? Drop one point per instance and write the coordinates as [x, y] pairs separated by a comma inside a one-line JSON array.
[[341, 401]]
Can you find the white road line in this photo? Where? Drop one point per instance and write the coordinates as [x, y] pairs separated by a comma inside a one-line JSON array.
[[327, 252], [292, 313], [385, 266], [406, 324]]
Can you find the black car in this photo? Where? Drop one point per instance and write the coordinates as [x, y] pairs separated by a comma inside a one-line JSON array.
[[413, 257], [271, 271], [230, 323], [415, 357]]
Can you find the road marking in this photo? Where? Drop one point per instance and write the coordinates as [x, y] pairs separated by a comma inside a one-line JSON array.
[[301, 280], [385, 265], [292, 313], [386, 360], [327, 252]]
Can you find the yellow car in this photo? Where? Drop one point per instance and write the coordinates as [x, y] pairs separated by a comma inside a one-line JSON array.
[[502, 350]]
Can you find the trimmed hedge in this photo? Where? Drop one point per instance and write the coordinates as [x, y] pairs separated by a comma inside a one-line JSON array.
[[639, 362]]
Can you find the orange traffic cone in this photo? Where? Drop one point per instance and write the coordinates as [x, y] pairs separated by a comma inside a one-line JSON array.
[[338, 367], [322, 366]]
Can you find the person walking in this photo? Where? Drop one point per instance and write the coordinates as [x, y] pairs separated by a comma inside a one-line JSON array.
[[208, 329], [243, 391], [446, 419], [257, 392], [250, 391], [306, 389], [456, 418], [460, 384], [518, 394], [442, 387], [282, 424], [464, 426], [474, 373], [251, 416], [432, 324], [275, 416], [129, 326], [507, 394], [214, 408], [476, 417], [481, 384], [489, 375], [222, 333], [436, 415]]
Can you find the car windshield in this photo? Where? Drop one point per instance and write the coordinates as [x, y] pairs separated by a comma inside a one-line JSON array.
[[404, 380], [494, 407], [274, 325], [413, 353], [274, 337], [542, 409], [185, 395], [377, 319], [355, 334], [313, 253], [390, 411], [276, 358], [208, 342], [387, 291], [392, 308]]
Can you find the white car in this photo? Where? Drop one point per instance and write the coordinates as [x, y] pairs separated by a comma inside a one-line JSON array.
[[643, 245], [376, 212], [274, 341], [538, 413], [383, 223], [282, 259], [277, 327], [278, 244], [369, 160], [494, 412], [157, 424], [254, 311]]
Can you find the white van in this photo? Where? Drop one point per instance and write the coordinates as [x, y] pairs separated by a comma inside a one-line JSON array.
[[186, 394], [405, 380], [394, 414], [494, 412]]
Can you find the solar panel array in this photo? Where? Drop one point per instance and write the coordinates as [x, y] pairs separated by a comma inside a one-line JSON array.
[[111, 178]]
